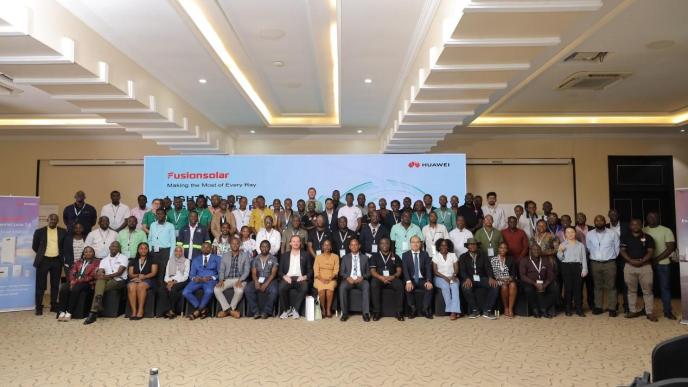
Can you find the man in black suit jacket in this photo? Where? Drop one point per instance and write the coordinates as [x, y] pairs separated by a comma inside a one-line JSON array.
[[417, 266], [330, 214], [294, 278], [372, 233], [47, 244]]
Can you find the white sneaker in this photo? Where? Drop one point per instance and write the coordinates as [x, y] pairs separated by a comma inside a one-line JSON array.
[[295, 315], [285, 315], [291, 312], [67, 317], [61, 317]]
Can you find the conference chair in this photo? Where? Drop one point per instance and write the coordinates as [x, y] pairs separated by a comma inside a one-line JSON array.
[[114, 303], [669, 359], [229, 293], [148, 309], [212, 305]]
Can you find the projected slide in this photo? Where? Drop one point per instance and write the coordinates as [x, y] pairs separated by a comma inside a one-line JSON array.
[[287, 176]]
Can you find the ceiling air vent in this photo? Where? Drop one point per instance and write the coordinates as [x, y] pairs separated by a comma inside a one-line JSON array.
[[6, 85], [591, 81], [587, 56]]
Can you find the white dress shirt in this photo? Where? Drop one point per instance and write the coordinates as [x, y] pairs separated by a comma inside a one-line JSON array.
[[445, 267], [603, 245], [294, 265], [458, 238], [117, 214], [112, 264], [273, 237], [524, 225], [432, 235], [498, 216], [241, 217], [351, 214], [100, 241]]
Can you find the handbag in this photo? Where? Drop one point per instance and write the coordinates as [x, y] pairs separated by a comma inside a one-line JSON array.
[[318, 312], [310, 308]]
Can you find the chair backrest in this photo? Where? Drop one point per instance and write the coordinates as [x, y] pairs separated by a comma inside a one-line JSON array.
[[670, 359], [676, 382]]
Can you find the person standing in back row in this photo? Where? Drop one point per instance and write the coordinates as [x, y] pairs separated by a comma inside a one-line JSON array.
[[665, 245], [47, 244], [79, 212], [638, 249]]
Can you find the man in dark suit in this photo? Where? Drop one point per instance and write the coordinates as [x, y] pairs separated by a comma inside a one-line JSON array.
[[47, 244], [355, 274], [372, 233], [417, 266], [330, 214], [192, 236], [296, 270]]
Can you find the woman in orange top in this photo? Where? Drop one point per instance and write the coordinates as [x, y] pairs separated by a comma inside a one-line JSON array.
[[325, 271]]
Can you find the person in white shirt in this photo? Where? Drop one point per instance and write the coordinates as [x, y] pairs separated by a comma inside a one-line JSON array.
[[460, 235], [101, 238], [433, 232], [445, 267], [269, 234], [248, 244], [498, 214], [111, 275], [176, 278], [352, 213], [522, 221], [140, 210], [242, 214], [116, 212]]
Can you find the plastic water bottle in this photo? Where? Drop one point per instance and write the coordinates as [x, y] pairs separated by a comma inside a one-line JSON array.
[[153, 381]]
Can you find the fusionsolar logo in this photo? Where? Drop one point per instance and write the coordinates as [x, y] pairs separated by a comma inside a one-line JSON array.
[[197, 175]]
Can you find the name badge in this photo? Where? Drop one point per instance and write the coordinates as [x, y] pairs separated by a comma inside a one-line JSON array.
[[490, 252], [156, 249], [261, 280], [176, 233], [373, 249], [476, 278], [318, 252], [432, 250], [539, 282], [404, 245], [342, 252], [385, 273]]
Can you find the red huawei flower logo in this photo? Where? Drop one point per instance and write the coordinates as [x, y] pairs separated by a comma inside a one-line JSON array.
[[414, 164]]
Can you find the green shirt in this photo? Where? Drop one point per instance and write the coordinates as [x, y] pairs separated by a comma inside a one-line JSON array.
[[130, 241], [446, 217], [402, 237], [178, 219], [489, 240], [204, 217], [420, 220], [661, 236], [148, 219]]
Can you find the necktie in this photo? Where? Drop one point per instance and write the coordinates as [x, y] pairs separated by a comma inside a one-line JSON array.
[[355, 258], [205, 260], [416, 272]]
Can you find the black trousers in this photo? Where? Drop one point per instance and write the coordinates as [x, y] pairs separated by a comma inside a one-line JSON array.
[[589, 283], [70, 297], [540, 301], [52, 266], [573, 283], [376, 287], [620, 282], [472, 299], [169, 298], [161, 258], [283, 290], [427, 296]]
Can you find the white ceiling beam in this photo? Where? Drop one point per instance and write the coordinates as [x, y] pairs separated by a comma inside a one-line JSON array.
[[66, 55], [17, 19], [171, 134], [130, 96], [180, 142], [432, 114], [481, 67], [216, 147], [466, 86], [149, 109], [102, 79], [419, 126], [543, 41], [533, 6], [460, 101], [422, 133]]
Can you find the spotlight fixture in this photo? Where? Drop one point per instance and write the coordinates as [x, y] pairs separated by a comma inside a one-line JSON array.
[[203, 81]]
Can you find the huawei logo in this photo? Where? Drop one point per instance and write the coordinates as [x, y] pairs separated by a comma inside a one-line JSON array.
[[414, 164]]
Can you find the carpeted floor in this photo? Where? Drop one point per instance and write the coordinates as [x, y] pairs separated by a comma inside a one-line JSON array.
[[565, 351]]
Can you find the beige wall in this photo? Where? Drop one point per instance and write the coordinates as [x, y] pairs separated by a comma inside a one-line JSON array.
[[590, 154]]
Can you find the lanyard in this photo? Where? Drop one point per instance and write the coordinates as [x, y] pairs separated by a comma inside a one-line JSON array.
[[77, 213], [84, 265], [539, 241], [502, 264], [319, 237], [396, 220], [442, 215], [385, 259], [474, 259], [489, 237], [142, 266], [420, 218], [115, 209], [112, 268], [262, 264], [157, 234], [177, 216], [343, 237], [538, 268]]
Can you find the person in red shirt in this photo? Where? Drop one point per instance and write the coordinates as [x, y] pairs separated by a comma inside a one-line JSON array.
[[81, 278], [516, 239]]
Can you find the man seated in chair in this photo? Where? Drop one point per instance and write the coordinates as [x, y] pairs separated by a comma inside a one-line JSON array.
[[296, 270], [385, 270], [354, 272], [537, 277], [203, 274], [234, 270], [476, 273], [417, 265], [111, 275], [263, 274]]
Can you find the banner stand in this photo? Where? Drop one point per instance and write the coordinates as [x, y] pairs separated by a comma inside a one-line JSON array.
[[681, 197]]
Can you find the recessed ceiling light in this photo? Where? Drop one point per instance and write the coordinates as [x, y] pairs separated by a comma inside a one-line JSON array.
[[359, 131], [203, 81], [278, 63], [252, 131], [368, 80], [683, 130], [271, 34], [660, 44]]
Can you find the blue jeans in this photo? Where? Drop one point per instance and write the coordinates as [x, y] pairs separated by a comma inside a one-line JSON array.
[[664, 286], [450, 293]]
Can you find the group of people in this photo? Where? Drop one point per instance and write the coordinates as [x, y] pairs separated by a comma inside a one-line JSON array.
[[471, 253]]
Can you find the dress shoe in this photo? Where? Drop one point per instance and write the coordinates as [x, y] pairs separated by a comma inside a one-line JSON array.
[[537, 314], [569, 314], [548, 315], [633, 314], [412, 313], [613, 313], [222, 314], [366, 317], [264, 316], [256, 316], [400, 317], [428, 315], [597, 311], [344, 317], [669, 316], [235, 313], [580, 313], [92, 317], [39, 311], [652, 317], [376, 316]]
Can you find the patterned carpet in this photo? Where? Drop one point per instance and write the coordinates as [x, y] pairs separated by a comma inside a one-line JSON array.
[[565, 351]]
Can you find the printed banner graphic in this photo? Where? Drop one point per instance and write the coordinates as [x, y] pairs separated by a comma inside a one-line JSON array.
[[18, 220], [286, 176], [681, 197]]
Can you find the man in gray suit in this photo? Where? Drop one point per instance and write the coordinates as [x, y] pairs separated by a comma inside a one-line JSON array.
[[355, 273], [234, 269]]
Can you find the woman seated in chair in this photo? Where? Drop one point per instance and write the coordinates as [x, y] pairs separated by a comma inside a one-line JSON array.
[[325, 272], [176, 278], [81, 278], [504, 269], [142, 272]]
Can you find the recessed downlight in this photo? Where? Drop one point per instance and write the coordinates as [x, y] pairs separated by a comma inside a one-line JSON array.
[[368, 81], [278, 63], [252, 131], [203, 81], [359, 131]]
